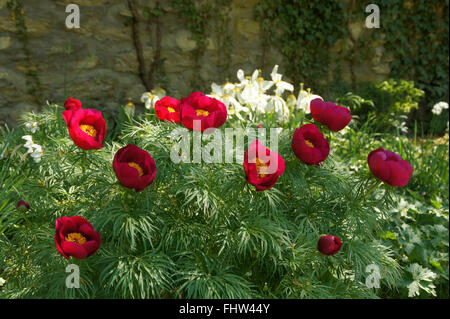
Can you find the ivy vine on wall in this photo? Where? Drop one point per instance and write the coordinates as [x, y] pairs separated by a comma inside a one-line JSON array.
[[417, 35], [303, 31], [414, 32], [198, 17]]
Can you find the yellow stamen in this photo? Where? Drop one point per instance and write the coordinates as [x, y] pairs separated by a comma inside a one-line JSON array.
[[202, 112], [261, 168], [89, 130], [76, 238], [309, 143], [171, 110], [137, 167]]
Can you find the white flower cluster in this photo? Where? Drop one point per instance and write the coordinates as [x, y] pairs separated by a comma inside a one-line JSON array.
[[34, 150], [248, 97], [32, 127], [400, 123], [438, 107], [150, 98]]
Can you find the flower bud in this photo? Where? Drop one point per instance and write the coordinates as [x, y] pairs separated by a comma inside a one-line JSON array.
[[329, 245], [22, 206]]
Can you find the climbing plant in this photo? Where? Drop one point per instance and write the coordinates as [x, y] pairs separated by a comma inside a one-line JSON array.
[[198, 17], [414, 33], [417, 36], [155, 72], [303, 31]]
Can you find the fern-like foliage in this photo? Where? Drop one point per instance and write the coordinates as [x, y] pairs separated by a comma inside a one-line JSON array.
[[199, 231]]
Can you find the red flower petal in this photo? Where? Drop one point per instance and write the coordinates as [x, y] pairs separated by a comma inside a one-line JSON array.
[[335, 117], [389, 167], [309, 145], [329, 245], [129, 176], [217, 111], [91, 246], [274, 161], [74, 249], [58, 247], [72, 104], [94, 118], [162, 109]]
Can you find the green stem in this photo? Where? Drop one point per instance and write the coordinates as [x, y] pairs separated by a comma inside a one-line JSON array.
[[27, 221], [83, 161], [374, 186]]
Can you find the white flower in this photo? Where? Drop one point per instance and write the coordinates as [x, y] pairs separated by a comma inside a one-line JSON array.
[[264, 85], [403, 126], [33, 149], [2, 282], [29, 141], [32, 127], [249, 93], [228, 88], [225, 94], [278, 105], [224, 90], [150, 98], [244, 80], [304, 99], [438, 107], [281, 85], [255, 99], [37, 155]]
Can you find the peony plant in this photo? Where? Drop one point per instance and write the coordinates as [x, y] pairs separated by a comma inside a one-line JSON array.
[[143, 226]]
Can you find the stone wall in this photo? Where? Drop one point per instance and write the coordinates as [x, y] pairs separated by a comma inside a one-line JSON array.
[[102, 67]]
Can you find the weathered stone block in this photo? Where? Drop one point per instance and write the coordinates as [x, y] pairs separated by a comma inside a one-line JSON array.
[[5, 42], [184, 40]]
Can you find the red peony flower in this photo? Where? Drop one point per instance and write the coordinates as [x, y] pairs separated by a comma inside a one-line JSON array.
[[76, 237], [22, 206], [262, 166], [87, 128], [333, 116], [168, 109], [329, 245], [72, 104], [134, 167], [389, 167], [309, 145], [199, 107]]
